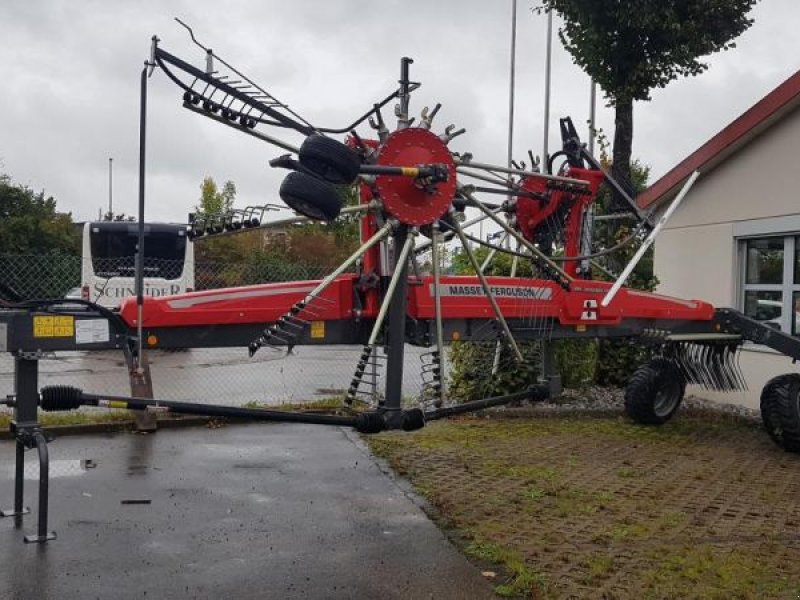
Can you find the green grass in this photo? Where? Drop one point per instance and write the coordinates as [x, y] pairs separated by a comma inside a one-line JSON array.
[[330, 404], [522, 580], [682, 572], [501, 483], [54, 419], [73, 418]]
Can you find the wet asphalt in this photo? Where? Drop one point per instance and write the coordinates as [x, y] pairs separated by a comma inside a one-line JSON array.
[[243, 511]]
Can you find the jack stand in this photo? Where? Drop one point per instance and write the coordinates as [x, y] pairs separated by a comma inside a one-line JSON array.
[[550, 375], [29, 438], [141, 387], [19, 479], [28, 434]]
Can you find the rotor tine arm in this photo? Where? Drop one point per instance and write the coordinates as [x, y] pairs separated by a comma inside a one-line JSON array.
[[379, 235], [437, 309], [447, 236], [491, 254], [531, 248], [487, 290], [515, 262], [398, 272], [257, 134]]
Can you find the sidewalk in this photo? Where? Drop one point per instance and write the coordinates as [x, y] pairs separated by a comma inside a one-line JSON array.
[[247, 511]]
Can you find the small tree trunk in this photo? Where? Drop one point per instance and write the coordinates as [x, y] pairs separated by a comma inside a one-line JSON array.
[[623, 146]]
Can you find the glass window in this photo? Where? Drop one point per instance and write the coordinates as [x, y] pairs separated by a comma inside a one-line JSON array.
[[797, 260], [764, 306], [764, 261], [796, 319]]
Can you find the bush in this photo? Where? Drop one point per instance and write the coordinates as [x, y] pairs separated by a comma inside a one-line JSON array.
[[617, 359], [577, 361], [471, 369]]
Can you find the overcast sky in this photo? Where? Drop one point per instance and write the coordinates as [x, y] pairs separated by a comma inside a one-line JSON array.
[[69, 97]]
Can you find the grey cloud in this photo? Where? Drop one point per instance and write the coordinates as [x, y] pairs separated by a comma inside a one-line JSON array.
[[70, 73]]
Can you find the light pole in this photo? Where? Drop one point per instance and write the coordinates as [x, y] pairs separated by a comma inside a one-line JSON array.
[[110, 195]]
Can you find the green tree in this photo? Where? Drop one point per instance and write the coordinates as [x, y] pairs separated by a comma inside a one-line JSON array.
[[214, 204], [30, 223], [617, 359], [215, 201], [326, 244], [118, 217], [632, 47]]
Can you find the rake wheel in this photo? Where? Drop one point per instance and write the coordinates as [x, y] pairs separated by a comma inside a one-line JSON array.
[[780, 410], [654, 392], [310, 197], [329, 159]]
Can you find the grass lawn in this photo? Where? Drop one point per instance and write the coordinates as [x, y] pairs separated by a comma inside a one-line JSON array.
[[581, 506]]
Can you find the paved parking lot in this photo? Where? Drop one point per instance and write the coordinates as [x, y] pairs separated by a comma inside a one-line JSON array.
[[246, 511]]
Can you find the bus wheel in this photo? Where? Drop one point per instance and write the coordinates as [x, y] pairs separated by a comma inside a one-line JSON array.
[[780, 410], [654, 392], [330, 159], [311, 197]]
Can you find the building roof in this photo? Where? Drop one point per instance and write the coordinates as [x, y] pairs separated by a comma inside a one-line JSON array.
[[771, 108]]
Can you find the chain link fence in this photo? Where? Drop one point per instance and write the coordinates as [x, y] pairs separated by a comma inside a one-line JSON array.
[[26, 277], [219, 375]]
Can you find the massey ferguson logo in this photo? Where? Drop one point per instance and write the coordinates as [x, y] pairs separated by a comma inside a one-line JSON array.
[[499, 291]]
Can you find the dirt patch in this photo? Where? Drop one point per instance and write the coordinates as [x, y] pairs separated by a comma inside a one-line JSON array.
[[595, 506]]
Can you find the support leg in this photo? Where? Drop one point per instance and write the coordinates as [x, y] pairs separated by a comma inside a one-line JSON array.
[[141, 387], [396, 337], [26, 415], [551, 376], [19, 482], [42, 535]]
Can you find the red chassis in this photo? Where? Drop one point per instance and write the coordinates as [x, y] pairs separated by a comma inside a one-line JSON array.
[[462, 298]]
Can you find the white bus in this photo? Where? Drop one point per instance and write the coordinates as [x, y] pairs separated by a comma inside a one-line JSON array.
[[108, 265]]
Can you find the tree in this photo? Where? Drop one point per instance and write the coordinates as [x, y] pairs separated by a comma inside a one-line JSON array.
[[30, 224], [327, 244], [118, 217], [214, 201], [631, 47]]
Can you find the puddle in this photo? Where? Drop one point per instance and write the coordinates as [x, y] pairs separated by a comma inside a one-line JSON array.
[[58, 468]]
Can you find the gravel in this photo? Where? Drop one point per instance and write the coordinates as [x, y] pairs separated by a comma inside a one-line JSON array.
[[597, 399]]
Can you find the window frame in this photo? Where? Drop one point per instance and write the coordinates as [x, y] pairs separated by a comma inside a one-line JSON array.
[[788, 287]]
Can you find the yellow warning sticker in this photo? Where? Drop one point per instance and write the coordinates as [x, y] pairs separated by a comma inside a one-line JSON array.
[[318, 329], [52, 326]]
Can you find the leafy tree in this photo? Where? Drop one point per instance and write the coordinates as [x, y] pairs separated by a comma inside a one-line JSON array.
[[118, 217], [631, 47], [215, 201], [30, 223], [326, 244]]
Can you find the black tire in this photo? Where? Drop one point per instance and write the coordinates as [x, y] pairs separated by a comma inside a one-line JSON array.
[[654, 392], [780, 410], [311, 197], [330, 159]]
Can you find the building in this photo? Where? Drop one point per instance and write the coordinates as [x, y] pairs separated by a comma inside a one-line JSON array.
[[735, 240]]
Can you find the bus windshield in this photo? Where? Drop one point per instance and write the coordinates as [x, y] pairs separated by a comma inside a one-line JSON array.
[[113, 250]]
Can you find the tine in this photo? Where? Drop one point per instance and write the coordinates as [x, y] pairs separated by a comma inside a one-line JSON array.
[[708, 361], [681, 352], [717, 367], [727, 363], [701, 366], [687, 355], [711, 358], [723, 374]]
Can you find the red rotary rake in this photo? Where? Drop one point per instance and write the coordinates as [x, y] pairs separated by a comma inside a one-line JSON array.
[[416, 197]]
